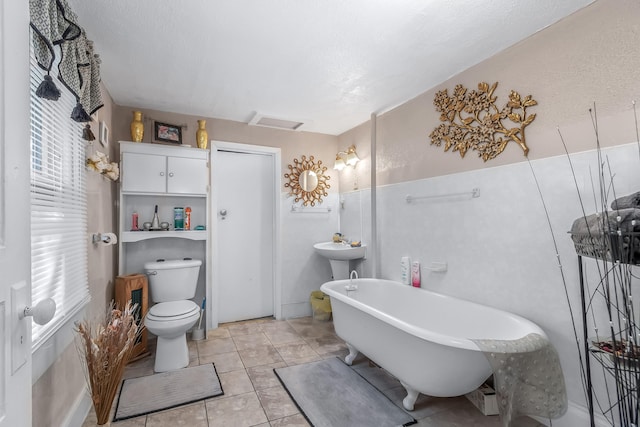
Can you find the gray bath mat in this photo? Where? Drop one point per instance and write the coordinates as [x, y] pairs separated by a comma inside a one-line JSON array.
[[157, 392], [329, 394]]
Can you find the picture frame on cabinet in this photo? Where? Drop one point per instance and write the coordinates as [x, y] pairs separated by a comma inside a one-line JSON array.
[[166, 133], [104, 134]]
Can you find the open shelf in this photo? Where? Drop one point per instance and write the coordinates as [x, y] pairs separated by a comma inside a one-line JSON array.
[[137, 236]]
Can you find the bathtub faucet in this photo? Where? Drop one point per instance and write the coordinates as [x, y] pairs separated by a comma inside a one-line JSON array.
[[351, 286]]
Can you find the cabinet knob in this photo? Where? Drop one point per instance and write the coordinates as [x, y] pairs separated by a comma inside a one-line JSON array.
[[170, 173], [161, 173]]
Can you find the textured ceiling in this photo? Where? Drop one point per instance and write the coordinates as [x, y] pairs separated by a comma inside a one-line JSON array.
[[328, 63]]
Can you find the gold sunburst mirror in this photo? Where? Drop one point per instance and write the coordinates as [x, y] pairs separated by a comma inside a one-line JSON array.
[[307, 181]]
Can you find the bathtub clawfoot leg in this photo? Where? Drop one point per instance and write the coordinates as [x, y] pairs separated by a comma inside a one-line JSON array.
[[353, 352], [409, 401]]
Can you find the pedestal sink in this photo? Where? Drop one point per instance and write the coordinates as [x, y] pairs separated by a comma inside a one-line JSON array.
[[339, 255]]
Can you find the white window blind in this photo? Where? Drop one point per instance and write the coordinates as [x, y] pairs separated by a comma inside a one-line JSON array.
[[58, 207]]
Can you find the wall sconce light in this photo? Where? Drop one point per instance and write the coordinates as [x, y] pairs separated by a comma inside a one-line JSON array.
[[344, 158]]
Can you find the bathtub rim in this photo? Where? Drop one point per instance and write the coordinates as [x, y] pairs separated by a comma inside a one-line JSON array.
[[448, 340]]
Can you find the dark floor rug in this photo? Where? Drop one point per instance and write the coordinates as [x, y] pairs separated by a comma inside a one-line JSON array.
[[157, 392], [329, 393]]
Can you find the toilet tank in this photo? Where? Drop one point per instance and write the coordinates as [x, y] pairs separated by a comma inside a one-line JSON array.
[[173, 279]]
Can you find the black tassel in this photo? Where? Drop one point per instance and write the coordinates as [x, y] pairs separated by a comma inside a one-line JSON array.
[[79, 115], [87, 134], [48, 89]]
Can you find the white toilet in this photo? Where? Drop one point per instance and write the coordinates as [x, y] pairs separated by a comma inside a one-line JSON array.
[[172, 283]]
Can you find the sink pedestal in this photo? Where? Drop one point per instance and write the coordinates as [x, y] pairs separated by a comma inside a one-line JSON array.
[[339, 255], [339, 269]]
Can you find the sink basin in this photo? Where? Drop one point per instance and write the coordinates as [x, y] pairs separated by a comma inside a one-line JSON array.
[[339, 251]]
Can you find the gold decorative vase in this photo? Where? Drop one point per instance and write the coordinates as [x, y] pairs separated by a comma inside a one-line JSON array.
[[137, 127], [202, 137]]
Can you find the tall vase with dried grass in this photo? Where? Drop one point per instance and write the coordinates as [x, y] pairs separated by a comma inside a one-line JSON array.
[[105, 348]]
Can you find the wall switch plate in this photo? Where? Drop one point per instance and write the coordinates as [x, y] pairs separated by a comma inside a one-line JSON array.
[[20, 342]]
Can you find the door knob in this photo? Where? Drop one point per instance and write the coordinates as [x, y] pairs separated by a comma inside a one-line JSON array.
[[223, 213], [42, 313]]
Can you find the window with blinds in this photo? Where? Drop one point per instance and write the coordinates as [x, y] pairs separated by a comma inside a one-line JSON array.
[[58, 207]]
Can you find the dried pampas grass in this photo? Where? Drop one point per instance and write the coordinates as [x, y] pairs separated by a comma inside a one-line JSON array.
[[105, 348]]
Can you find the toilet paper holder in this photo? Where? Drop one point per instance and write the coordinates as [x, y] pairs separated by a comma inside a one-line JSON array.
[[106, 238]]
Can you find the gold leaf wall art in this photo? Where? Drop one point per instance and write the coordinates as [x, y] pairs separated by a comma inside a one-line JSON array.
[[472, 121]]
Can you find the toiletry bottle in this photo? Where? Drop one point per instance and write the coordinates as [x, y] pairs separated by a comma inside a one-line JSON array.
[[405, 270], [178, 218], [187, 218], [415, 274], [134, 221]]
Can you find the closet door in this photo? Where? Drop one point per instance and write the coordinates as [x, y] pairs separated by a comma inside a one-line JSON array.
[[245, 218]]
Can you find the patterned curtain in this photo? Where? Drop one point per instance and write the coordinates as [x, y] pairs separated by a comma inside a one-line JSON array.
[[55, 25]]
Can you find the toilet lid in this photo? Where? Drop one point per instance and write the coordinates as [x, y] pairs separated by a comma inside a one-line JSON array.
[[183, 308]]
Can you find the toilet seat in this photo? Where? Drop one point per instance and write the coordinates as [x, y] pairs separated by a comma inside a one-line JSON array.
[[173, 310]]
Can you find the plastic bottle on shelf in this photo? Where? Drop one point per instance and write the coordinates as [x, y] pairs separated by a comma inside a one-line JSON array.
[[134, 222], [178, 218], [187, 218]]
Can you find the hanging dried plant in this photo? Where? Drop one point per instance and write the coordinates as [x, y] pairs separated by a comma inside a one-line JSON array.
[[105, 348], [474, 122]]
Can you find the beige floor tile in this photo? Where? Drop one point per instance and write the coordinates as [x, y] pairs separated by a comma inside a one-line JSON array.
[[277, 326], [260, 356], [249, 341], [188, 416], [235, 382], [276, 403], [244, 328], [314, 330], [297, 350], [243, 410], [293, 362], [220, 332], [263, 376], [297, 420], [326, 344], [224, 362], [460, 417], [215, 346], [283, 337]]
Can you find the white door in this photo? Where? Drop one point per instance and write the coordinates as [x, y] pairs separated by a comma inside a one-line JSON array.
[[245, 197], [15, 252]]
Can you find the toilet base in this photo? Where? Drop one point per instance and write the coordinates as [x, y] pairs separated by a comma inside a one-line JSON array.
[[171, 353]]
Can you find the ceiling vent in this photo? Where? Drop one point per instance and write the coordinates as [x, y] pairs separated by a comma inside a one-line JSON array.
[[272, 122]]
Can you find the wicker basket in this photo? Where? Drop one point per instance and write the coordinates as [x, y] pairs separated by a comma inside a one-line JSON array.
[[609, 246]]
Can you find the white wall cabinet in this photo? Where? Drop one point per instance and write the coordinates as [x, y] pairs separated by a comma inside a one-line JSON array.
[[169, 177], [157, 173]]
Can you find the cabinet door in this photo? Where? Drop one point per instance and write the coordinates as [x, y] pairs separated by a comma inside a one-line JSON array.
[[187, 175], [144, 173]]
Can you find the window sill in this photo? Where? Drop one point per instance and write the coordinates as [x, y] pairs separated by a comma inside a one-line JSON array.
[[47, 353]]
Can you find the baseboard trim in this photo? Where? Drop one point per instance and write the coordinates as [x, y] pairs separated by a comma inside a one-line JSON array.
[[78, 411], [301, 309]]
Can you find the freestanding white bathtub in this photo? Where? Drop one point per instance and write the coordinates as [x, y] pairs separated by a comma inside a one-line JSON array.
[[422, 338]]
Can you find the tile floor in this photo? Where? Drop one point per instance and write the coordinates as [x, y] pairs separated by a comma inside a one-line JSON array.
[[245, 354]]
